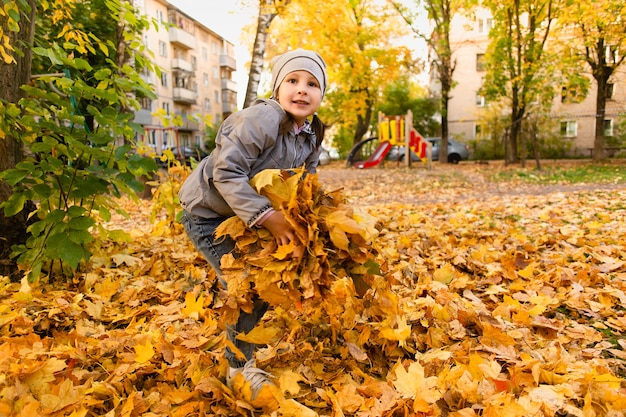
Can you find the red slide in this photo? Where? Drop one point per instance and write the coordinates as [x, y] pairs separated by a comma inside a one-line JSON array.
[[379, 154]]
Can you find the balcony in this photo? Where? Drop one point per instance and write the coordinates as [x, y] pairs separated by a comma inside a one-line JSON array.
[[229, 85], [181, 38], [182, 95], [228, 62], [182, 65], [228, 108], [143, 117], [188, 123]]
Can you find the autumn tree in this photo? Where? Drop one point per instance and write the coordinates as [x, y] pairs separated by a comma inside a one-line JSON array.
[[516, 58], [359, 42], [440, 13], [403, 95], [598, 32], [17, 28], [268, 10], [74, 126]]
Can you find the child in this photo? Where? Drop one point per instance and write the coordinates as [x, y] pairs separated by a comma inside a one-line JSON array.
[[272, 133]]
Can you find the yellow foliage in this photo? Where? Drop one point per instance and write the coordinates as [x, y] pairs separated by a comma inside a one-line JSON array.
[[141, 330]]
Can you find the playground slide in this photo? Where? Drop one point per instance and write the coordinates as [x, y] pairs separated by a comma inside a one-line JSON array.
[[377, 156]]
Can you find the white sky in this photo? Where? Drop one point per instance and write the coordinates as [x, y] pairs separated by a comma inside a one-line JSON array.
[[226, 18]]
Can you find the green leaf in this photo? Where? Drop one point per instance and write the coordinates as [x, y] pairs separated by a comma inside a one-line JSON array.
[[81, 223], [14, 204], [41, 147], [81, 64], [68, 251], [55, 216], [102, 74], [13, 176], [42, 190], [81, 237], [76, 211]]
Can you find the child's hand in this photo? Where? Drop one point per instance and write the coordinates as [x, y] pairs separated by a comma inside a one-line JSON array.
[[279, 228]]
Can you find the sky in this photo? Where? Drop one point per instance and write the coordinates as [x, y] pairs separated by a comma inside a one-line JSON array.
[[226, 18]]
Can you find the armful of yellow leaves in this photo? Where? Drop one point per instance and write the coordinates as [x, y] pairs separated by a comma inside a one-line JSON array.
[[334, 242]]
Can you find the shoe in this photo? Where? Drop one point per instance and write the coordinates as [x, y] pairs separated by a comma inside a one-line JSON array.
[[257, 378]]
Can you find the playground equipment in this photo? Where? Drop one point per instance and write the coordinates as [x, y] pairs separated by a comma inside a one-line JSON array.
[[393, 131]]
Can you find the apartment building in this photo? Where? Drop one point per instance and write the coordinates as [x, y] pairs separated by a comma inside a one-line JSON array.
[[467, 108], [196, 84]]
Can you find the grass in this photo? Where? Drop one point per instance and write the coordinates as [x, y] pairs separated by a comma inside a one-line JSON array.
[[565, 174]]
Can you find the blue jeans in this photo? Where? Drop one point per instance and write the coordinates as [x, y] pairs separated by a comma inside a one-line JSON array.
[[201, 231]]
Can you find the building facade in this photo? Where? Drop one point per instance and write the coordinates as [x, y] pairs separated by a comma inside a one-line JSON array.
[[195, 87], [468, 110]]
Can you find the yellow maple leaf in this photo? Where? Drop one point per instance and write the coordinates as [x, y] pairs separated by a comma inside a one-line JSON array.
[[444, 274], [412, 383], [292, 408], [193, 307], [288, 382], [284, 251], [260, 335], [400, 333], [144, 352], [527, 272]]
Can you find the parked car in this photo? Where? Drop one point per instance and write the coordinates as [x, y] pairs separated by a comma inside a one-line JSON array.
[[328, 155], [457, 151]]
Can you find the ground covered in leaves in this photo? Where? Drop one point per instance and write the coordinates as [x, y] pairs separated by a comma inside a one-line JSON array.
[[497, 296]]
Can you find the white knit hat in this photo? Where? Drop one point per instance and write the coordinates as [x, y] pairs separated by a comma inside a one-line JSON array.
[[298, 60]]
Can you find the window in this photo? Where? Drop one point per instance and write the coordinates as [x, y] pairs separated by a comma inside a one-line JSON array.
[[608, 127], [480, 100], [217, 96], [568, 128], [205, 54], [162, 49], [164, 79], [159, 15], [480, 62], [194, 62], [485, 25], [166, 107], [205, 79], [611, 54], [146, 103], [207, 104], [478, 131], [214, 48], [152, 138], [610, 88], [216, 72]]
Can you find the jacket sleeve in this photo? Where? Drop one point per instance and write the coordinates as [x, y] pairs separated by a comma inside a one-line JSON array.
[[241, 140]]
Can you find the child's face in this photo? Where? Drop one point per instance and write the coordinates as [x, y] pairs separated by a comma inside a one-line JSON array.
[[300, 95]]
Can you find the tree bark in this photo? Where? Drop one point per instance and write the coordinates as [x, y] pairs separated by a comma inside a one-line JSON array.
[[268, 10], [13, 76]]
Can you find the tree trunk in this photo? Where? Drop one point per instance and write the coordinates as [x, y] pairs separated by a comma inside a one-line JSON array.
[[362, 125], [601, 72], [268, 10], [598, 141], [258, 51], [443, 149], [13, 76]]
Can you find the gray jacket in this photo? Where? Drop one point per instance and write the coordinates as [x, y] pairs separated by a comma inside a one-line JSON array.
[[247, 142]]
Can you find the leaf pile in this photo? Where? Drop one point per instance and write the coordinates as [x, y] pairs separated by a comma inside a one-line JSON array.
[[333, 242], [505, 305]]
